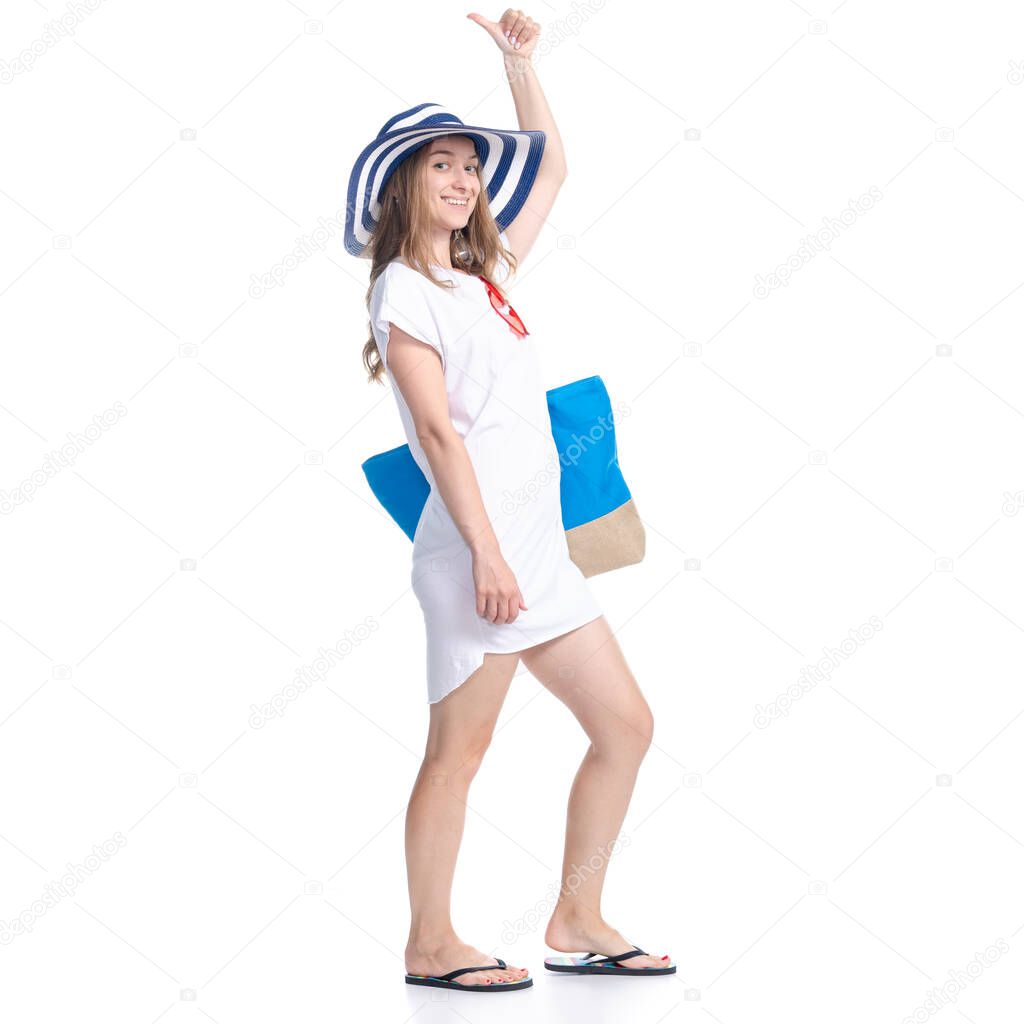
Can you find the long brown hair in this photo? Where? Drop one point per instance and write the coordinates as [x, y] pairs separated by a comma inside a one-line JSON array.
[[403, 231]]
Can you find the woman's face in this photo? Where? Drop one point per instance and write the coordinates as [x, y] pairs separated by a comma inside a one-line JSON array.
[[453, 186]]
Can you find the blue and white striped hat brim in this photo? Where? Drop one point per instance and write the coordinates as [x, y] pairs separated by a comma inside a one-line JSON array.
[[508, 166]]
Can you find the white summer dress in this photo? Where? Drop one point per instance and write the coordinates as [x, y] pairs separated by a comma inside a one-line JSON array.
[[498, 404]]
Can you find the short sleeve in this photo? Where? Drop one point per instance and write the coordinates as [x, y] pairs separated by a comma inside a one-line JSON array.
[[400, 296]]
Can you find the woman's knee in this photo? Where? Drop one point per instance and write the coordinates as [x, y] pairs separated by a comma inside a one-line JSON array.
[[644, 723], [624, 730], [641, 723], [457, 755]]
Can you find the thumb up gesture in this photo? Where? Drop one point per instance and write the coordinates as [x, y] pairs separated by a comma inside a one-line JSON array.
[[515, 33]]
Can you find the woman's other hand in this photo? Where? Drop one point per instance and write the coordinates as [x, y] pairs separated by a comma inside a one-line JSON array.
[[497, 593], [515, 33]]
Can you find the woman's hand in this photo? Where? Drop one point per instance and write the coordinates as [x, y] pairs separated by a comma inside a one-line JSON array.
[[497, 594], [515, 33]]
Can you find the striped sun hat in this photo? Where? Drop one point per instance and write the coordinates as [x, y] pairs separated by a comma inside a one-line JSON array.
[[508, 163]]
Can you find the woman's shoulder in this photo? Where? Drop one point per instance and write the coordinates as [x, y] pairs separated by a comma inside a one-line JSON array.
[[398, 270], [399, 286], [397, 280], [399, 275]]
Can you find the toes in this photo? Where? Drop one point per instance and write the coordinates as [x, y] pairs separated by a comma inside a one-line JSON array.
[[497, 976], [515, 974]]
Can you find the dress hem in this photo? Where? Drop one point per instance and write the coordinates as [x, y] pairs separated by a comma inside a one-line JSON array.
[[558, 631]]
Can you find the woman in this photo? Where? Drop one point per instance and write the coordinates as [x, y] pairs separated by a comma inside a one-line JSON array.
[[428, 199]]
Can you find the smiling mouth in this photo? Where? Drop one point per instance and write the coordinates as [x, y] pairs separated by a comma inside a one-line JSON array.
[[452, 201]]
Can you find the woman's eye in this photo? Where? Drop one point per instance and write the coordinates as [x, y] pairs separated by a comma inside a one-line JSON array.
[[444, 163]]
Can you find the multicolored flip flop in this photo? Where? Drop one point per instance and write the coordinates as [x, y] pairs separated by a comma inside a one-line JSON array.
[[445, 980], [586, 964]]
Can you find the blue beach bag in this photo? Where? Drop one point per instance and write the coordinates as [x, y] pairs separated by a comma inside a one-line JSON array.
[[602, 526]]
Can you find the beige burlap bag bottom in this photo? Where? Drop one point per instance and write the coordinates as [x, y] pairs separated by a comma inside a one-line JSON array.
[[608, 542]]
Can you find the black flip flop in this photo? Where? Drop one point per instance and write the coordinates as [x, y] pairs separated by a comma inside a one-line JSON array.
[[605, 965], [445, 980]]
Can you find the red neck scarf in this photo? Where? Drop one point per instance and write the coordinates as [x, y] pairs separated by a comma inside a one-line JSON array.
[[504, 310]]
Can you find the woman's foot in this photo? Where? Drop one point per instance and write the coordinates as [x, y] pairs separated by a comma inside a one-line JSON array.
[[435, 959], [569, 932]]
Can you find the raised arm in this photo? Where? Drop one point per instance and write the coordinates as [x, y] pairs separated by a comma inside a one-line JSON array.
[[516, 36]]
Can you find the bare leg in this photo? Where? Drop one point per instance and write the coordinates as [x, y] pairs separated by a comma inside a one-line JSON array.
[[587, 671], [461, 726]]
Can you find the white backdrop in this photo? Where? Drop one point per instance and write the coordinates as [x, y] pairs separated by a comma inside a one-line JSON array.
[[826, 457]]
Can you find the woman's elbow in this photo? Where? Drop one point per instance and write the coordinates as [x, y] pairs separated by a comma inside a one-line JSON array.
[[435, 434]]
